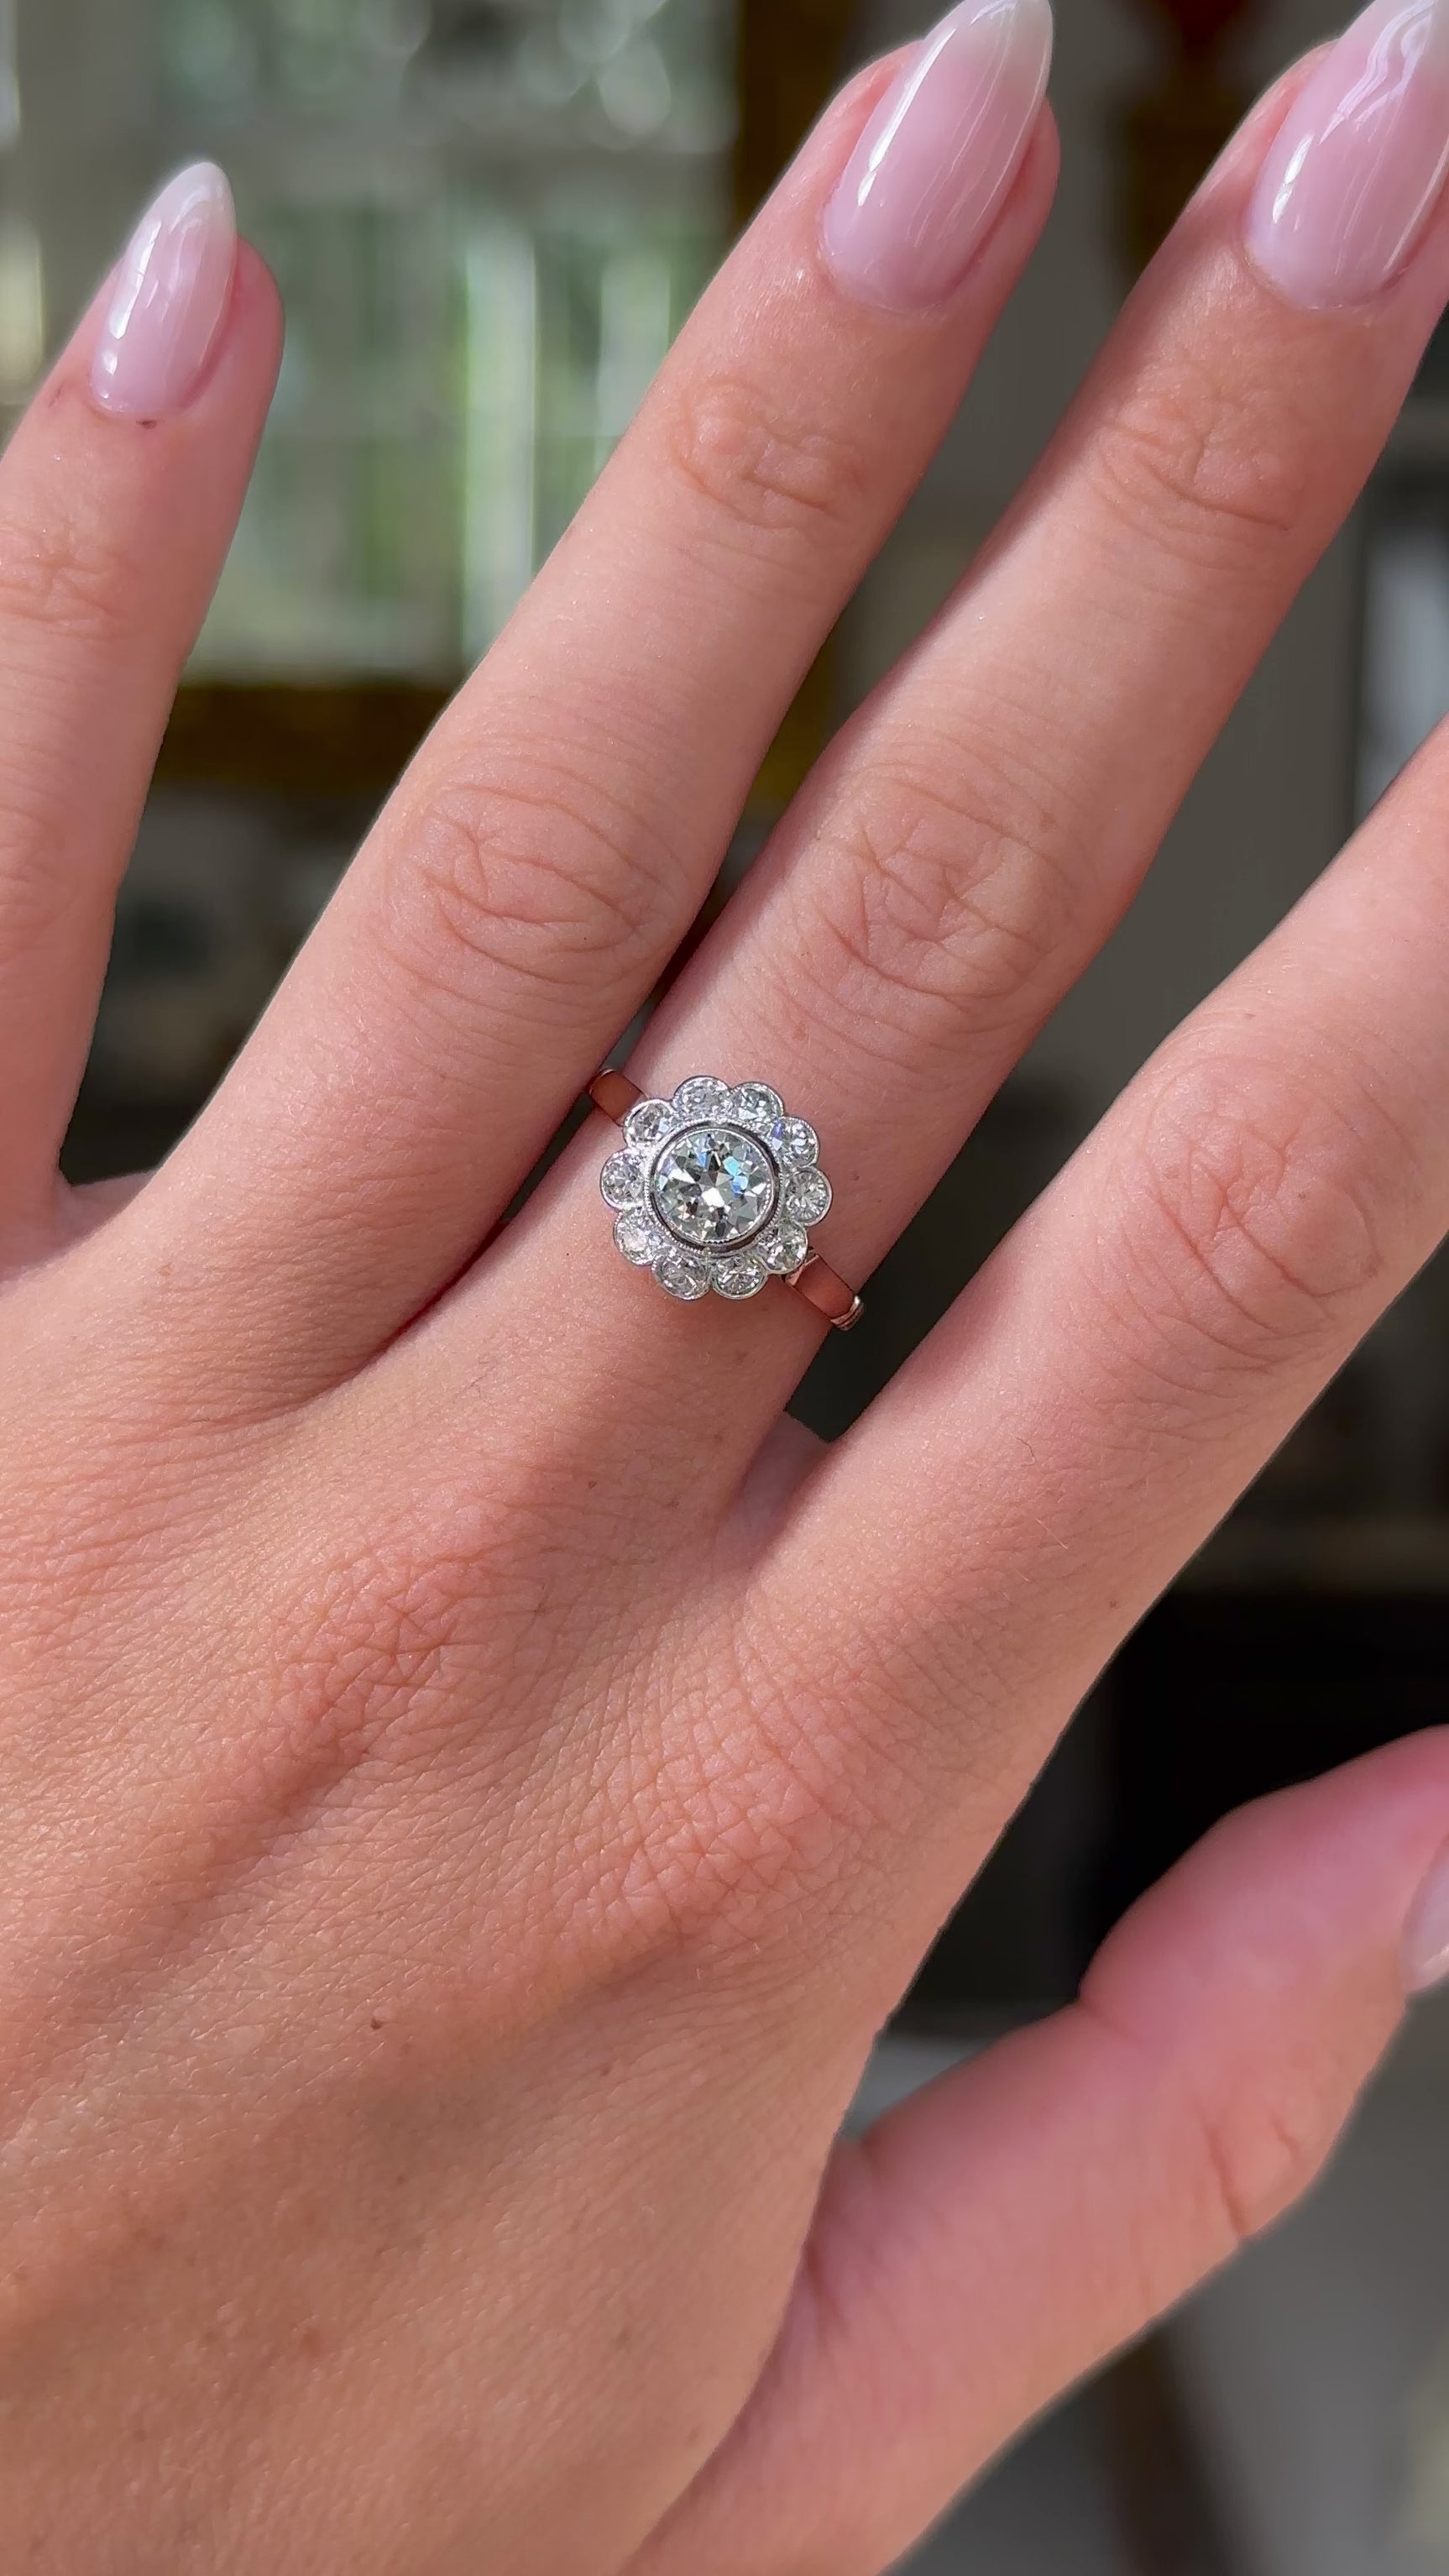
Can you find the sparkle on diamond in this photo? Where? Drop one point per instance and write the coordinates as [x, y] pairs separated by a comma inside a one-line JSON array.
[[714, 1187]]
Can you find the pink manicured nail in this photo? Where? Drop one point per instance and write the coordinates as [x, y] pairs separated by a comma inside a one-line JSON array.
[[1350, 181], [1426, 1942], [928, 175], [168, 298]]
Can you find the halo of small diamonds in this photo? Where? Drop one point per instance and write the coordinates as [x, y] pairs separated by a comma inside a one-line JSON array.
[[683, 1274], [793, 1140], [784, 1248], [754, 1104], [640, 1239], [713, 1190], [649, 1122], [702, 1097], [808, 1195], [622, 1180]]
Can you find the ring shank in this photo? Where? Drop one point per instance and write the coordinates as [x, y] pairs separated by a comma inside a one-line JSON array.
[[815, 1281]]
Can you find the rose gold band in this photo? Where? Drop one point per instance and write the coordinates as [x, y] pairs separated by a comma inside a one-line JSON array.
[[615, 1094], [815, 1281]]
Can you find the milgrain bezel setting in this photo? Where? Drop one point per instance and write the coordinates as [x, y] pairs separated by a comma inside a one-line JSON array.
[[782, 1156]]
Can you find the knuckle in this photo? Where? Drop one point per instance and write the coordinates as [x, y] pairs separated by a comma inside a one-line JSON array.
[[739, 1803], [401, 1653], [1203, 464], [716, 1836], [362, 1654], [937, 909], [537, 877], [1240, 2151], [1257, 2154], [1253, 1214], [72, 580], [447, 1654], [764, 472]]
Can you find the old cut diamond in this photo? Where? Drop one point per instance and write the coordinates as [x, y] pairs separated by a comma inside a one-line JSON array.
[[639, 1239], [784, 1249], [793, 1140], [743, 1275], [703, 1096], [756, 1105], [683, 1274], [714, 1187], [622, 1180], [649, 1121], [807, 1195]]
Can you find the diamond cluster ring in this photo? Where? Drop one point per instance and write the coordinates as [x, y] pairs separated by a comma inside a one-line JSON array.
[[716, 1189]]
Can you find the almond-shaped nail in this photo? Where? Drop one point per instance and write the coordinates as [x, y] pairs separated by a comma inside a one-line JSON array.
[[1426, 1942], [1353, 176], [927, 178], [168, 298]]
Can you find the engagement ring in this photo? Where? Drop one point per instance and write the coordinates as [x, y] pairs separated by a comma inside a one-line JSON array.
[[716, 1189]]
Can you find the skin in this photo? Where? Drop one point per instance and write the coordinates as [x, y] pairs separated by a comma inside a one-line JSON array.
[[430, 1983]]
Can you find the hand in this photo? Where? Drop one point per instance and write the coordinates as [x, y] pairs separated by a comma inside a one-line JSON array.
[[473, 1779]]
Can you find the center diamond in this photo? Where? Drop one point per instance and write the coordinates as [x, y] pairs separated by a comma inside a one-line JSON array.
[[714, 1187]]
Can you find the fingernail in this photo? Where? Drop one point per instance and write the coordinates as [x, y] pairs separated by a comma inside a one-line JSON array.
[[1426, 1942], [1352, 178], [169, 297], [928, 176]]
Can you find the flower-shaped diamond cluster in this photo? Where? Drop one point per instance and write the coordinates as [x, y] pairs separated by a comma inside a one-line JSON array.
[[715, 1188]]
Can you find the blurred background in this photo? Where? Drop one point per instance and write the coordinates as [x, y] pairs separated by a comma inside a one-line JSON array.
[[488, 218]]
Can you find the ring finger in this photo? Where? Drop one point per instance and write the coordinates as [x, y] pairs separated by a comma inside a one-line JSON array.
[[978, 830], [556, 835]]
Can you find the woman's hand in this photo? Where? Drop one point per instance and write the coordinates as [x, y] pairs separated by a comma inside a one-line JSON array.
[[472, 1779]]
